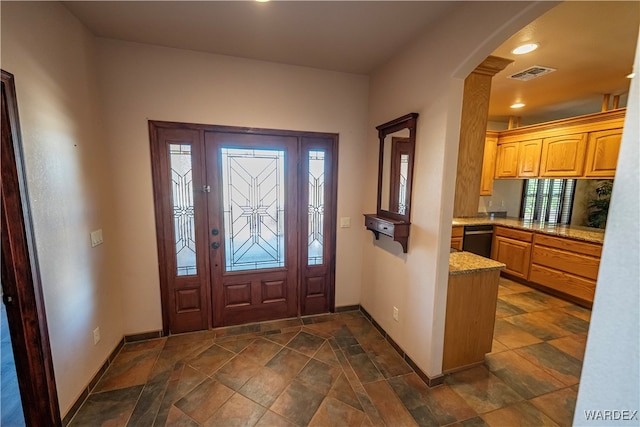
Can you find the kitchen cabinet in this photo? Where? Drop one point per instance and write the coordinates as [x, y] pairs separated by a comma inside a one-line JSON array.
[[602, 153], [579, 147], [563, 156], [507, 160], [488, 163], [529, 158], [457, 236], [566, 265], [513, 248]]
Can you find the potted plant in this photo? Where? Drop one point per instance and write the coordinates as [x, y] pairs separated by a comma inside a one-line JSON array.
[[599, 205]]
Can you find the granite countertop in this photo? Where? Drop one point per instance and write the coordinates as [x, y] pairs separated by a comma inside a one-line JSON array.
[[587, 234], [467, 263]]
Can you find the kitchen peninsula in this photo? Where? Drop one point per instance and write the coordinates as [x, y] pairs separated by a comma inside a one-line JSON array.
[[471, 309]]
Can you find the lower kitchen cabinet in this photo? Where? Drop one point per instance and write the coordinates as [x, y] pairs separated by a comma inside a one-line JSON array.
[[472, 295], [566, 265], [457, 236], [513, 248]]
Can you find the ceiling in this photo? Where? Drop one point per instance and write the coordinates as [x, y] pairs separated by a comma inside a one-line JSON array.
[[591, 44]]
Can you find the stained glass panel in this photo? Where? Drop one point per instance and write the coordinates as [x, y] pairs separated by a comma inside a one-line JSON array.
[[253, 203], [402, 193], [183, 211], [316, 207]]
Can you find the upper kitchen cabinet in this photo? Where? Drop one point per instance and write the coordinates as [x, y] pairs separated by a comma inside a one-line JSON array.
[[488, 163], [579, 147], [507, 160], [529, 158], [563, 156], [602, 153]]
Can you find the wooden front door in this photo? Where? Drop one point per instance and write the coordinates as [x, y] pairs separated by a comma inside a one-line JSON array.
[[252, 226], [242, 230]]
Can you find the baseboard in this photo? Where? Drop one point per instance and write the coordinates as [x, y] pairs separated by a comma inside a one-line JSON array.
[[344, 308], [103, 368], [429, 381]]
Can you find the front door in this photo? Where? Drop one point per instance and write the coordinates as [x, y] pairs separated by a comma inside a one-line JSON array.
[[242, 230], [252, 224]]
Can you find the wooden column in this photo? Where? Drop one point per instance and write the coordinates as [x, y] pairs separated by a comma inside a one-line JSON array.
[[473, 126]]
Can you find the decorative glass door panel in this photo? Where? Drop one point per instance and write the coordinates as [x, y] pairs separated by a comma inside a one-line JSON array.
[[315, 240], [253, 204], [183, 208]]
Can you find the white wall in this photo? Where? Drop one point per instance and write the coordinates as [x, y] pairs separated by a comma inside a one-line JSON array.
[[428, 79], [141, 82], [611, 371], [52, 57]]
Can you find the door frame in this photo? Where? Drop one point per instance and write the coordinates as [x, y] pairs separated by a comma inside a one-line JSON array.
[[163, 234], [21, 282]]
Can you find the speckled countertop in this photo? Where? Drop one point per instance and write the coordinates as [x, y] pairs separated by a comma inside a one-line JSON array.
[[467, 263], [594, 235]]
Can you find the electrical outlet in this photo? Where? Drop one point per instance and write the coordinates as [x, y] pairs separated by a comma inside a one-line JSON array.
[[395, 313], [96, 238], [96, 335]]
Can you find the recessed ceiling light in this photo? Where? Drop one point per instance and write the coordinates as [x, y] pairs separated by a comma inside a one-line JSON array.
[[517, 105], [262, 1], [525, 48], [631, 75]]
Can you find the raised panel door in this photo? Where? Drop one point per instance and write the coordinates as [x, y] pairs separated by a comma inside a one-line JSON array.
[[563, 156], [529, 158], [602, 153], [507, 160], [488, 165], [514, 254]]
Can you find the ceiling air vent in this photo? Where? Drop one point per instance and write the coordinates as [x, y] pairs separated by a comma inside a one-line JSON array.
[[532, 73]]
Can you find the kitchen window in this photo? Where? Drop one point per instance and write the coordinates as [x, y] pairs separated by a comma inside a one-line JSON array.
[[548, 200]]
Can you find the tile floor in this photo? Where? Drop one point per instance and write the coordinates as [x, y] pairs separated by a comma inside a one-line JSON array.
[[338, 370]]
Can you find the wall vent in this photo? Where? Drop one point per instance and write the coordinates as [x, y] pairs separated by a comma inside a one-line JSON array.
[[532, 73]]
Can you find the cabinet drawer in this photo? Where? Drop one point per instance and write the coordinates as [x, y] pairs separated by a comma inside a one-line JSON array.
[[457, 232], [383, 227], [524, 236], [570, 262], [571, 245], [563, 282]]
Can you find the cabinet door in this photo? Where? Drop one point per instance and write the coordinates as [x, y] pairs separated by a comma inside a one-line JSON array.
[[514, 253], [507, 160], [563, 156], [602, 153], [488, 165], [529, 158]]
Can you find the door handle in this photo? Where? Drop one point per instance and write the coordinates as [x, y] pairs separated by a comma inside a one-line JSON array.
[[215, 232], [215, 245]]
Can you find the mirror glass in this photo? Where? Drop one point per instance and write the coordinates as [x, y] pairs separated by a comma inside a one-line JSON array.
[[397, 146]]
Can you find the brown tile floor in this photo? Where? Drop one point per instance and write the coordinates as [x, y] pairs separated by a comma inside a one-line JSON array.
[[337, 370]]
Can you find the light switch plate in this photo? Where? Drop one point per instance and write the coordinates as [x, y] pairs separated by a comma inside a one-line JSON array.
[[96, 238], [345, 222]]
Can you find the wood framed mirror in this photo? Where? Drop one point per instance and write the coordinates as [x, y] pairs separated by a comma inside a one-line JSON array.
[[395, 175], [395, 168]]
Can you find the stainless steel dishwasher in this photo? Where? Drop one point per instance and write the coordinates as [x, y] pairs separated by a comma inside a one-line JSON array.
[[477, 239]]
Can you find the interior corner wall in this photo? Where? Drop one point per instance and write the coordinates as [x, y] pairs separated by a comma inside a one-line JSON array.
[[52, 57], [613, 343], [428, 78], [142, 82]]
